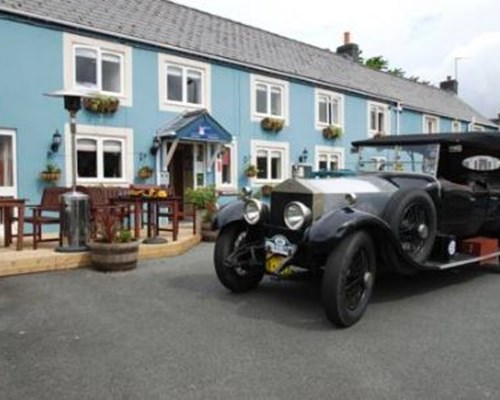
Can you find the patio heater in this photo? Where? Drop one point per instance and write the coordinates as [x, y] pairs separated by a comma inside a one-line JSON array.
[[74, 205]]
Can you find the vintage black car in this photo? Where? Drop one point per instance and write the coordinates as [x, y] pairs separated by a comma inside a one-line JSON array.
[[408, 207]]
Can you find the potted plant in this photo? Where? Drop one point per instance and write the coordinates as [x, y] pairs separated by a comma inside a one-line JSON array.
[[266, 190], [51, 173], [332, 132], [113, 249], [272, 124], [145, 172], [101, 104], [251, 171], [204, 200]]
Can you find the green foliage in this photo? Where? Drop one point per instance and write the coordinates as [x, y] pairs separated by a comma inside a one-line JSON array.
[[109, 229], [379, 63], [333, 132], [52, 168], [101, 104], [272, 124], [203, 198], [251, 170]]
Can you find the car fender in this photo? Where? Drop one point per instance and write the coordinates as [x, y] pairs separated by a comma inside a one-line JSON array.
[[327, 231], [230, 212]]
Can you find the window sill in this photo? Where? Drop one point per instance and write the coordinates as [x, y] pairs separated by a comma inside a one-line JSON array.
[[180, 107]]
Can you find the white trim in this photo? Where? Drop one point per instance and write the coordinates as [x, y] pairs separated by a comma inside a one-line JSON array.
[[329, 150], [332, 95], [387, 119], [184, 63], [265, 80], [11, 190], [456, 126], [268, 145], [71, 42], [233, 146], [433, 119], [126, 135]]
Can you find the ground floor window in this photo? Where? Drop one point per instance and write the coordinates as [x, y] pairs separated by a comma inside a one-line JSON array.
[[329, 158], [226, 167], [271, 160], [103, 155]]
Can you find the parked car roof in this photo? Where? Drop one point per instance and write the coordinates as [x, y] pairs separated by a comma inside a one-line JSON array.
[[166, 24], [487, 140]]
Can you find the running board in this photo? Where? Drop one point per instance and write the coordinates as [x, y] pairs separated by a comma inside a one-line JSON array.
[[464, 261]]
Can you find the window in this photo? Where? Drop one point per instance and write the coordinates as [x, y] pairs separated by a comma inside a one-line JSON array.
[[98, 66], [103, 154], [477, 128], [226, 175], [329, 158], [271, 160], [269, 98], [329, 109], [378, 119], [456, 126], [431, 124], [184, 84]]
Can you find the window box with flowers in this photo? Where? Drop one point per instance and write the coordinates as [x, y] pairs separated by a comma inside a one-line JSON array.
[[101, 104], [52, 173], [332, 132], [145, 172], [273, 125]]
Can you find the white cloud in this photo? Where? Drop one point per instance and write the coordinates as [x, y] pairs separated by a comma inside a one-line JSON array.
[[421, 37]]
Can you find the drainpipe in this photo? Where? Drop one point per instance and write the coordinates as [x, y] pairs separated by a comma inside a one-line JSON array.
[[399, 109]]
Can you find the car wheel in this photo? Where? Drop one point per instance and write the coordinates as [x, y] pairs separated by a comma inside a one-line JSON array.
[[411, 214], [234, 276], [348, 279]]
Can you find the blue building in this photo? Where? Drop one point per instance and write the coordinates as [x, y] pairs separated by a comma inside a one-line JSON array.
[[269, 101]]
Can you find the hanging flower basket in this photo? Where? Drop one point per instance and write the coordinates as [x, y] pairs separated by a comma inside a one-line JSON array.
[[266, 190], [251, 171], [101, 104], [52, 173], [145, 172], [332, 132], [273, 125]]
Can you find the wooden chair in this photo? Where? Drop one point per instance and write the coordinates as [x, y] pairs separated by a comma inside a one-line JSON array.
[[165, 210], [45, 213]]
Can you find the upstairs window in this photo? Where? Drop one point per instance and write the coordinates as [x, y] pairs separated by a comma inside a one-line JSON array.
[[329, 109], [269, 98], [378, 119], [456, 126], [92, 65], [431, 124]]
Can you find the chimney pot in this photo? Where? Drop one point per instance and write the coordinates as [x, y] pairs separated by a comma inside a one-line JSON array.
[[347, 38]]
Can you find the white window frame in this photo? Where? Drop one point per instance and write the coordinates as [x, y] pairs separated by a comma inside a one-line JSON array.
[[456, 126], [256, 145], [101, 133], [384, 108], [319, 125], [477, 128], [165, 61], [329, 151], [432, 119], [72, 42], [268, 82], [232, 187]]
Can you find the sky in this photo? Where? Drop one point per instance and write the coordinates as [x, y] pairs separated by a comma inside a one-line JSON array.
[[431, 39]]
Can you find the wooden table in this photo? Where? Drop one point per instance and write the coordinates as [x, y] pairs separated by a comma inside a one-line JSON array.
[[152, 204], [8, 205]]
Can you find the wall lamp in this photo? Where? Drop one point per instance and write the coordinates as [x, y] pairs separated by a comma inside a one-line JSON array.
[[56, 142], [303, 156], [155, 146]]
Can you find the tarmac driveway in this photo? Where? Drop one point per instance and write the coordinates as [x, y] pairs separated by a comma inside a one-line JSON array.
[[168, 330]]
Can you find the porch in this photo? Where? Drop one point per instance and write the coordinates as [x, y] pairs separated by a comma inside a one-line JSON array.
[[45, 259]]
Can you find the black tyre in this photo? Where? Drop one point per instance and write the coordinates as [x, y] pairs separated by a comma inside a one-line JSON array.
[[411, 214], [348, 279], [234, 277]]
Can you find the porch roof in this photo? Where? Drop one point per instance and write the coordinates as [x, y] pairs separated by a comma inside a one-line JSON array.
[[197, 126]]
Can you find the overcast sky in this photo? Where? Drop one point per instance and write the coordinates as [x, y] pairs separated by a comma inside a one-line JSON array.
[[422, 37]]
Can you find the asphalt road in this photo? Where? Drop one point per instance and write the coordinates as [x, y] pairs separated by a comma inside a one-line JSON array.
[[168, 330]]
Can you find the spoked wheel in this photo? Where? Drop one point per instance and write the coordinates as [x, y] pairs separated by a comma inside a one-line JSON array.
[[348, 279], [235, 275], [412, 217]]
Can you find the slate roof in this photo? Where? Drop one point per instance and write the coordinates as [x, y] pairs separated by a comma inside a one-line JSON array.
[[167, 24]]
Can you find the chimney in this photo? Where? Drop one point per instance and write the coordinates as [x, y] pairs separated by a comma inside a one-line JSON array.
[[349, 50], [450, 85]]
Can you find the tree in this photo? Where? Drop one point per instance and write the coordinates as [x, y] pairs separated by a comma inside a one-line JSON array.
[[379, 63]]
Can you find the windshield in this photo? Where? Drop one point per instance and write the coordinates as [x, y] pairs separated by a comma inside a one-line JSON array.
[[417, 158]]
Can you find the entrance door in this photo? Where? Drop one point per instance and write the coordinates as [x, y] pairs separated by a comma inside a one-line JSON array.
[[181, 169]]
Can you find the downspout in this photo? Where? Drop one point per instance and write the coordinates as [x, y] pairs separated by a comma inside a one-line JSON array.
[[399, 109]]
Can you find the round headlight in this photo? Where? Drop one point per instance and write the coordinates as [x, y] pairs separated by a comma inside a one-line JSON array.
[[296, 215], [252, 211]]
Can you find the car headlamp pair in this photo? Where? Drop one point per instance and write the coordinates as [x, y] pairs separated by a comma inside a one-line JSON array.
[[296, 214]]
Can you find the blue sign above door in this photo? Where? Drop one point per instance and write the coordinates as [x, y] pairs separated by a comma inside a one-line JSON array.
[[195, 126]]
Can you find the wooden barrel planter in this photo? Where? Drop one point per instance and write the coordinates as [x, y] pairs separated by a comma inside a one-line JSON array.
[[111, 257]]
